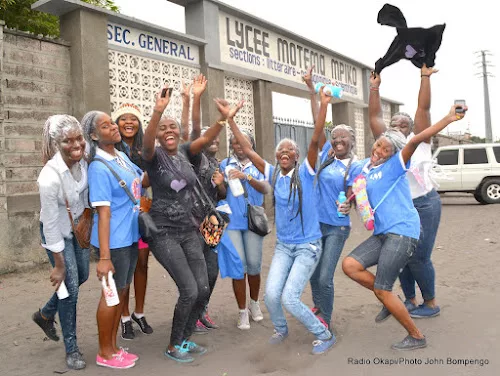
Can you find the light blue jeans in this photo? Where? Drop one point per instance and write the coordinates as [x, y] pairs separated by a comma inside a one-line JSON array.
[[291, 269], [322, 286], [249, 247]]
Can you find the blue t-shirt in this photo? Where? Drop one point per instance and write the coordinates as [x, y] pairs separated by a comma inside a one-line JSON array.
[[238, 218], [396, 214], [106, 191], [329, 183], [289, 229]]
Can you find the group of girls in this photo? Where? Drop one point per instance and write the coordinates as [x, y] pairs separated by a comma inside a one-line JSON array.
[[109, 164]]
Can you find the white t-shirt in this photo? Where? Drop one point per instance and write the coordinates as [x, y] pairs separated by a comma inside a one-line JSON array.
[[419, 173]]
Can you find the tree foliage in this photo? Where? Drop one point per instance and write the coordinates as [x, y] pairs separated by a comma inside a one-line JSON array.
[[17, 14]]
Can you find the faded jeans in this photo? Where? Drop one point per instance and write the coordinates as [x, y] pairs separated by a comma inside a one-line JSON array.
[[291, 269], [322, 286], [420, 268], [76, 261], [181, 254]]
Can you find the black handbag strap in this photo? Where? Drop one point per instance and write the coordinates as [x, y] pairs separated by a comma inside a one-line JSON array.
[[121, 182], [205, 199]]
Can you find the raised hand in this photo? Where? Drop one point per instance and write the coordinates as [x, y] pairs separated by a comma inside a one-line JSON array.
[[307, 78], [225, 109], [199, 85], [162, 102], [427, 72], [375, 80], [454, 116], [186, 90], [324, 98]]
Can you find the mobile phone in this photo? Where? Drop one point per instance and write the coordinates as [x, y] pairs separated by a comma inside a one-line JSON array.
[[164, 92], [460, 103]]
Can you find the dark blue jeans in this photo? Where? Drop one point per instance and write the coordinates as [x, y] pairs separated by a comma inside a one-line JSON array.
[[322, 286], [419, 268], [76, 261]]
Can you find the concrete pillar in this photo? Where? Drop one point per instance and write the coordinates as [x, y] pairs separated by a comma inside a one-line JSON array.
[[369, 139], [263, 113], [343, 113], [86, 31]]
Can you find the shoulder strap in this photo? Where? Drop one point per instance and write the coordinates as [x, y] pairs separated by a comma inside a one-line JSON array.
[[203, 196], [68, 209], [121, 182], [388, 191]]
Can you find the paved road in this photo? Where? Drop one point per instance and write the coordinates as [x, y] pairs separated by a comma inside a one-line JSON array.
[[466, 259]]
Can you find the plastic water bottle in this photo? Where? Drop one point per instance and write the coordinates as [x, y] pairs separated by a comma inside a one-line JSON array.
[[62, 291], [234, 184], [110, 292], [342, 198], [331, 90]]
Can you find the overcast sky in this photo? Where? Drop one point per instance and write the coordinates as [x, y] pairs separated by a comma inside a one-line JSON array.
[[350, 28]]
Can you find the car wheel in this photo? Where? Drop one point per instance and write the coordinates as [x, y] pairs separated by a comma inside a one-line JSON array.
[[479, 199], [490, 191]]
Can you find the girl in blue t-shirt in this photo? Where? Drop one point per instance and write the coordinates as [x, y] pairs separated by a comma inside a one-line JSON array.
[[298, 247], [332, 178], [115, 230], [397, 224], [247, 243]]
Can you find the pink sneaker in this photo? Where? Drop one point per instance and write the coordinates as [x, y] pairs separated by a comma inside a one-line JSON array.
[[123, 352], [116, 362]]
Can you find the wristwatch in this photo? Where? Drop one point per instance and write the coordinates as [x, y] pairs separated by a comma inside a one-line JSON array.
[[249, 177]]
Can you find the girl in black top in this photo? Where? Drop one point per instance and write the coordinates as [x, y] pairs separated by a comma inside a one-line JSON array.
[[177, 247]]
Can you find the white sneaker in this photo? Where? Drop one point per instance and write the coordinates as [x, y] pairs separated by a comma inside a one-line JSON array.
[[243, 320], [255, 311]]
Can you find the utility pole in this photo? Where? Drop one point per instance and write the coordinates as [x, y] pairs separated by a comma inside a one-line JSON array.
[[484, 73]]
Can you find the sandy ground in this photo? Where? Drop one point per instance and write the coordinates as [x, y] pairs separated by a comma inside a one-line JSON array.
[[466, 259]]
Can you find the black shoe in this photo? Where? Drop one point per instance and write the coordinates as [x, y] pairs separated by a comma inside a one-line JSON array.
[[206, 320], [47, 325], [143, 324], [410, 343], [75, 360], [127, 330]]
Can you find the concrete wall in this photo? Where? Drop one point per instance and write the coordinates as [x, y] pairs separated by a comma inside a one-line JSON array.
[[35, 83]]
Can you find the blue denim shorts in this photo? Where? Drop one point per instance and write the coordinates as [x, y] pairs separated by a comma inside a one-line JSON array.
[[249, 247], [124, 261], [390, 252]]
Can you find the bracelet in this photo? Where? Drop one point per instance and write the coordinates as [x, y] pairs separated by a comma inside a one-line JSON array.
[[222, 122], [373, 88], [425, 75], [108, 259], [158, 112], [249, 178]]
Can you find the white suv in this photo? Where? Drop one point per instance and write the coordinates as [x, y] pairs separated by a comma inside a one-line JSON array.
[[471, 168]]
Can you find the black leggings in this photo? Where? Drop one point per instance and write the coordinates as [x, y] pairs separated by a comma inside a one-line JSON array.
[[181, 254], [212, 261]]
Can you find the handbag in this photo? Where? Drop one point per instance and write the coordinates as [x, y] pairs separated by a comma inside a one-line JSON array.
[[147, 226], [83, 228], [213, 225], [257, 218]]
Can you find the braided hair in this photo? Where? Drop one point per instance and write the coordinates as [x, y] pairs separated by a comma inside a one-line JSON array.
[[331, 159], [89, 125], [295, 183], [53, 132], [407, 116]]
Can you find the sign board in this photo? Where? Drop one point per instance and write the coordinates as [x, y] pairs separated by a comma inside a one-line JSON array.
[[138, 40], [246, 45]]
